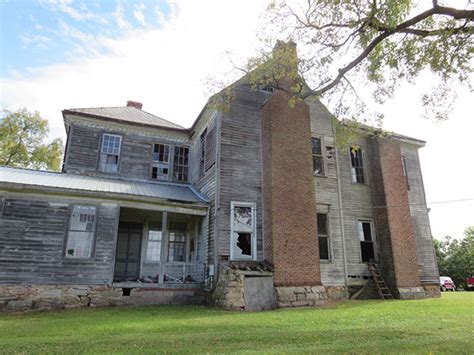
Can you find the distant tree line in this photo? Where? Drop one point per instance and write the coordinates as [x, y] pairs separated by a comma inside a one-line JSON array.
[[456, 257]]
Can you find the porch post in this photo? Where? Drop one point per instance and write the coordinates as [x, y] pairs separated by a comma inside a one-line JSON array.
[[164, 249]]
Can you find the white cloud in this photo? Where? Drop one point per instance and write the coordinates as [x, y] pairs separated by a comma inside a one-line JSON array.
[[166, 68], [138, 13]]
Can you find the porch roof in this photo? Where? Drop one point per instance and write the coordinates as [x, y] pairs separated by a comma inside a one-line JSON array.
[[15, 178]]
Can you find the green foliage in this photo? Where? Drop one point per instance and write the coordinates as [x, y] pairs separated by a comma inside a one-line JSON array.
[[456, 257], [345, 46], [440, 325], [22, 141]]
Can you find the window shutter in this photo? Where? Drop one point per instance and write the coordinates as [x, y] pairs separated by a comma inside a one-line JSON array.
[[210, 156]]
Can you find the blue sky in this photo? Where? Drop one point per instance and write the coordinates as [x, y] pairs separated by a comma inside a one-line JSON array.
[[36, 33]]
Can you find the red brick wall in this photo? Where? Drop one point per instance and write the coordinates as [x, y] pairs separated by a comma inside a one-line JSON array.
[[394, 224], [289, 206]]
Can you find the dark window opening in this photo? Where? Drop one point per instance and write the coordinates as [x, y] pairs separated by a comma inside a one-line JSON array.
[[405, 173], [203, 152], [244, 242], [323, 236], [318, 158], [126, 291], [357, 165], [366, 241], [160, 162]]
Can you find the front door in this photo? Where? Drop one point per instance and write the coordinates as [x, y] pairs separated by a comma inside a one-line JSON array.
[[127, 259]]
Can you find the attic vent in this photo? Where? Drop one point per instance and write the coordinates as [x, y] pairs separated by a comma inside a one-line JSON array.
[[135, 104]]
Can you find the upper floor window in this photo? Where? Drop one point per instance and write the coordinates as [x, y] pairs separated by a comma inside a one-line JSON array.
[[80, 238], [318, 158], [110, 153], [160, 165], [323, 236], [181, 163], [357, 165], [202, 153]]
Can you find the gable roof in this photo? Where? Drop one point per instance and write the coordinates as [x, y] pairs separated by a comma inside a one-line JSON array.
[[16, 178], [125, 114]]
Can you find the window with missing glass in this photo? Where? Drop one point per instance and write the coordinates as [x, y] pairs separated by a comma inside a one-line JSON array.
[[80, 238], [366, 237], [357, 165], [405, 173], [177, 242], [160, 164], [318, 158], [323, 236], [181, 163], [243, 233], [154, 242], [110, 153]]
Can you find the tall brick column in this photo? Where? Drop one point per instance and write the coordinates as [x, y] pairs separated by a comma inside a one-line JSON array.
[[395, 235], [289, 206]]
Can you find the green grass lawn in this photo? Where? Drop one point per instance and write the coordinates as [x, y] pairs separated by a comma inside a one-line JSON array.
[[434, 325]]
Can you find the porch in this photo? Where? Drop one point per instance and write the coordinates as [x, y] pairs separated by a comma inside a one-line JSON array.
[[159, 249]]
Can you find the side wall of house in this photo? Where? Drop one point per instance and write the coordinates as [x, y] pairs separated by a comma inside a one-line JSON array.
[[419, 213], [33, 234], [241, 162], [84, 141]]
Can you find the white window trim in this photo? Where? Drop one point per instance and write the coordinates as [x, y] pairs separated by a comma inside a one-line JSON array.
[[119, 152], [328, 236], [94, 233], [170, 170], [253, 207], [364, 165]]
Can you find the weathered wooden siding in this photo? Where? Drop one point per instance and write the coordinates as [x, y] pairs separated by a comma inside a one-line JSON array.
[[419, 212], [327, 196], [83, 151], [240, 162], [32, 238]]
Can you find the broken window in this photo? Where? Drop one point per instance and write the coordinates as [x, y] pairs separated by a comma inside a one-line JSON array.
[[153, 249], [177, 242], [180, 164], [80, 239], [160, 162], [110, 153], [357, 165], [243, 231], [404, 165], [323, 236], [365, 230], [318, 158]]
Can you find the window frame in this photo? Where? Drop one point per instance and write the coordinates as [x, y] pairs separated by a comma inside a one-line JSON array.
[[253, 206], [170, 161], [147, 240], [119, 158], [322, 155], [202, 152], [188, 166], [373, 236], [169, 242], [364, 162], [327, 235], [68, 230]]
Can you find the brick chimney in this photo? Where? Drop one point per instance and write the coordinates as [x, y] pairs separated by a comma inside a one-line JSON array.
[[136, 104]]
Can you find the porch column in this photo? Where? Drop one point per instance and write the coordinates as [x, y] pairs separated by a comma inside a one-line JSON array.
[[164, 248]]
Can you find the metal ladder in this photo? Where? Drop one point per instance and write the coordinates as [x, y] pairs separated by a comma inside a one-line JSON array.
[[382, 288]]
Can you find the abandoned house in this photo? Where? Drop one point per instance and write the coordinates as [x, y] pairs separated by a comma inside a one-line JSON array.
[[252, 208]]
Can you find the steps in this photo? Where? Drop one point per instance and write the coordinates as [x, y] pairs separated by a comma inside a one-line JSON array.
[[381, 285]]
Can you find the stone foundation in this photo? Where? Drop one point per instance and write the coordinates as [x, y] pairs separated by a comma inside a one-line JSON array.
[[301, 296], [432, 290], [411, 293], [18, 298]]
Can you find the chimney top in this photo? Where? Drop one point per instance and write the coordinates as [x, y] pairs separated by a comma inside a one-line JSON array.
[[136, 104]]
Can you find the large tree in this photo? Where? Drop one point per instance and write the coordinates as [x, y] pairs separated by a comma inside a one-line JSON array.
[[347, 48], [23, 143]]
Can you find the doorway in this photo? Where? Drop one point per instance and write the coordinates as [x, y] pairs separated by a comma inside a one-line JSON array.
[[127, 259]]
